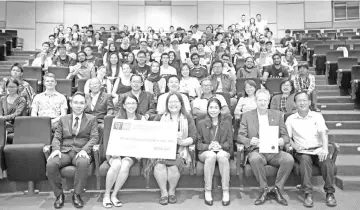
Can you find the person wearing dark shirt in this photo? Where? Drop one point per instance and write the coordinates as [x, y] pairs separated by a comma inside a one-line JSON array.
[[63, 60], [288, 39], [91, 58], [141, 68], [277, 70], [198, 71]]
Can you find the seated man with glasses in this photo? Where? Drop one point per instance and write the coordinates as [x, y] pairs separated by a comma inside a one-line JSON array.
[[199, 107]]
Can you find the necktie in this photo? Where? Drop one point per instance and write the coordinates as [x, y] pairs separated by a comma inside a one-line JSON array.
[[75, 126]]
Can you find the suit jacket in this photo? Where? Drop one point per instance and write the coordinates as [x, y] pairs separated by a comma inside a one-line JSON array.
[[224, 136], [104, 106], [290, 103], [249, 127], [228, 85], [147, 104], [86, 138]]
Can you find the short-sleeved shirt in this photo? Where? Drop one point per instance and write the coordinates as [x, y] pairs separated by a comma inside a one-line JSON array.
[[49, 105], [199, 72], [201, 102], [68, 61], [168, 71], [305, 131], [277, 73], [143, 71], [189, 86]]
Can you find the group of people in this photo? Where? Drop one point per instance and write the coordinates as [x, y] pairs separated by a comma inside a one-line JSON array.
[[179, 79]]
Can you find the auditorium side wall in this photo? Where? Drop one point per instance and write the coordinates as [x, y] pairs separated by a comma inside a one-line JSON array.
[[35, 20]]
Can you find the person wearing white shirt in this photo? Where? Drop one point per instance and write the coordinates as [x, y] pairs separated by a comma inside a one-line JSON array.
[[308, 133], [260, 24], [166, 70], [173, 86], [243, 23]]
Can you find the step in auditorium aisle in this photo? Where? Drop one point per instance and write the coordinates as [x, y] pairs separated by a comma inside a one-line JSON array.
[[343, 123]]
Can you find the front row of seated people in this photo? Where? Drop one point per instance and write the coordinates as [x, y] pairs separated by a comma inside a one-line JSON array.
[[76, 133]]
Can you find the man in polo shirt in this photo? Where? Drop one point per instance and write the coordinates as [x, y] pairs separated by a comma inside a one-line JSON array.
[[277, 70], [63, 60], [196, 34], [165, 69], [308, 133], [199, 106], [82, 70], [198, 71]]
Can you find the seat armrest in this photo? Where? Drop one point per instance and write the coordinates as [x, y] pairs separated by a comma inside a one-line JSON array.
[[47, 151], [239, 157], [192, 152], [96, 158]]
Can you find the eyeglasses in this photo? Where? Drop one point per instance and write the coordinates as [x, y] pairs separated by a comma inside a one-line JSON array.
[[131, 104], [137, 82], [208, 85], [217, 67], [173, 102]]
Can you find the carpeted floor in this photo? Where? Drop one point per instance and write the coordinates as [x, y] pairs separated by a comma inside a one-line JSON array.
[[187, 199]]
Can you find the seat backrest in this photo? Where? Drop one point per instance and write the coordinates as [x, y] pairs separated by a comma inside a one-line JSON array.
[[12, 32], [324, 38], [335, 41], [346, 63], [332, 35], [32, 130], [63, 86], [355, 72], [2, 132], [306, 39], [97, 54], [108, 120], [342, 38], [349, 33], [240, 83], [330, 31], [239, 62], [33, 83], [59, 72], [32, 72], [354, 53], [346, 29], [81, 84], [355, 37], [322, 48], [312, 43], [341, 45], [333, 55], [353, 41], [273, 85], [356, 46], [226, 97]]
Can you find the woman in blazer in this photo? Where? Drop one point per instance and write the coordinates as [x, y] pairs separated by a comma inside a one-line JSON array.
[[214, 144], [285, 102]]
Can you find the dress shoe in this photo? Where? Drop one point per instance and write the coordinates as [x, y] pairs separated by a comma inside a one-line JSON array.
[[331, 200], [262, 198], [278, 196], [209, 203], [308, 202], [77, 201], [226, 203], [59, 202]]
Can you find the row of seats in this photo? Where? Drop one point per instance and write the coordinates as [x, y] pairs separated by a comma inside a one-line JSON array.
[[25, 159]]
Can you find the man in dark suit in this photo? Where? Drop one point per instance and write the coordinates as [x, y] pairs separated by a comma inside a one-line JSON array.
[[98, 104], [74, 138], [248, 135]]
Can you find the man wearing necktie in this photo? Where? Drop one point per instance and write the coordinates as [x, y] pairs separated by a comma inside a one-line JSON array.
[[73, 141]]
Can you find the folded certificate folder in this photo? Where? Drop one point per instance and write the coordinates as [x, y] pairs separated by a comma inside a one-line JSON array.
[[268, 137]]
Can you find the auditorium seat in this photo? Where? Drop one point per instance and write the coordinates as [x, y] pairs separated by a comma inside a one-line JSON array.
[[324, 38], [98, 55], [331, 63], [354, 53], [310, 49], [32, 72], [352, 42], [344, 74], [356, 46], [341, 45], [273, 85], [239, 63], [355, 86], [2, 143], [355, 37], [59, 72], [335, 41], [75, 49], [319, 56], [331, 35], [343, 38], [24, 158], [101, 164], [240, 84], [81, 84], [64, 87], [34, 84]]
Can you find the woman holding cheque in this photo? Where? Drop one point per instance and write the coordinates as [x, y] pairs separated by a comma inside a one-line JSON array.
[[214, 144], [120, 166], [170, 170]]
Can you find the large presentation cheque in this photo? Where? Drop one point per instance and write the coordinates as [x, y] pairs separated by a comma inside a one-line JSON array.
[[143, 139]]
